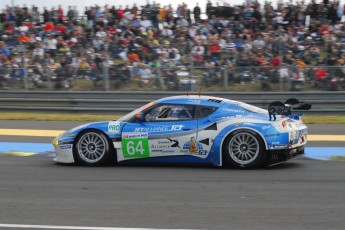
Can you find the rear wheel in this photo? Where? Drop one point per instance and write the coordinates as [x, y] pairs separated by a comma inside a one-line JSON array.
[[92, 148], [244, 149]]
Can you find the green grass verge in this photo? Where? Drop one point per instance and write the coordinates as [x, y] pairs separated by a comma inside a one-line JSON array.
[[338, 158], [96, 117], [323, 119]]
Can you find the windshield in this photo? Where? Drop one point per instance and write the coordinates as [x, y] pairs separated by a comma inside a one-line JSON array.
[[252, 108], [130, 115]]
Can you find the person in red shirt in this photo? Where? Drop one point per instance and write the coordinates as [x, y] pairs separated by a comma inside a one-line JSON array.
[[120, 12], [9, 28], [60, 14], [214, 49], [275, 61], [24, 38], [28, 24], [320, 74], [60, 29], [132, 57], [111, 30], [49, 26], [324, 29]]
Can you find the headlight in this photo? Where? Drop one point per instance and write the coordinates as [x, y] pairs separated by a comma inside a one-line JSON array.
[[56, 143]]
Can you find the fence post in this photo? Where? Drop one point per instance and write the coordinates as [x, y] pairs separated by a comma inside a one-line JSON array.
[[48, 71], [289, 78], [159, 78], [105, 68], [26, 82], [226, 85], [280, 78], [191, 58]]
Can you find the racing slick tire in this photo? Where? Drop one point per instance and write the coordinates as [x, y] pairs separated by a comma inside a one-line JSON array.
[[93, 148], [244, 149]]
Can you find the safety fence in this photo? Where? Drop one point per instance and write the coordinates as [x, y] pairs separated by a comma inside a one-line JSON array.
[[193, 78]]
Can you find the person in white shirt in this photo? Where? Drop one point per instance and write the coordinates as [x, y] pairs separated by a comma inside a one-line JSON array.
[[177, 57], [192, 31], [259, 43], [198, 52], [199, 37], [145, 22], [50, 44], [38, 51], [167, 33], [101, 33], [144, 74]]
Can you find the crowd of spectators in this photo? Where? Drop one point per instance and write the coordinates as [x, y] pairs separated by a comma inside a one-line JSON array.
[[149, 42]]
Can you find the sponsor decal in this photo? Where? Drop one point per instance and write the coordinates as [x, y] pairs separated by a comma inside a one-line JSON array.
[[159, 146], [113, 127], [65, 146], [299, 125], [265, 127], [168, 151], [194, 147], [272, 135], [202, 152], [134, 135], [280, 146], [155, 150], [233, 110], [176, 127], [174, 143], [163, 142], [160, 128], [135, 145], [193, 101], [166, 144]]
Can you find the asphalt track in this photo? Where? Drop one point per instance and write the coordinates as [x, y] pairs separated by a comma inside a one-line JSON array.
[[299, 194]]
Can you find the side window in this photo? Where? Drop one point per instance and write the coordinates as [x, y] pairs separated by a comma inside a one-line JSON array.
[[204, 111], [170, 113]]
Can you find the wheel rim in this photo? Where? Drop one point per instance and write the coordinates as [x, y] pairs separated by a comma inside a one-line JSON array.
[[244, 148], [91, 147]]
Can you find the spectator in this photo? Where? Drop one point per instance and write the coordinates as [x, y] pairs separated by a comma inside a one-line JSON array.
[[4, 50], [50, 44], [232, 35], [198, 52], [145, 75], [197, 12]]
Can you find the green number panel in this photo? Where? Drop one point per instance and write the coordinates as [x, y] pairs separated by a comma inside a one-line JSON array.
[[135, 148]]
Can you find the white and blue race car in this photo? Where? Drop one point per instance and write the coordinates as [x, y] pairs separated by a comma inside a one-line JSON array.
[[190, 129]]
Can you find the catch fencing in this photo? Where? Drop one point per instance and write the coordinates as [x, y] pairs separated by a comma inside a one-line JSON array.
[[171, 77]]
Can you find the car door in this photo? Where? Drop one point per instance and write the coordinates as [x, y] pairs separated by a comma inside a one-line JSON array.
[[165, 130]]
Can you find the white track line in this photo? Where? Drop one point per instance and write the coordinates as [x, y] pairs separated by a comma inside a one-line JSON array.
[[76, 227]]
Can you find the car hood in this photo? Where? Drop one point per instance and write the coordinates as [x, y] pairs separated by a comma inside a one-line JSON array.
[[102, 125]]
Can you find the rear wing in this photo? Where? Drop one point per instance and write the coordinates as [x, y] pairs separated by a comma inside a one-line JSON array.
[[279, 108]]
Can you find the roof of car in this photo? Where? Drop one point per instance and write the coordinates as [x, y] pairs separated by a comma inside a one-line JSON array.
[[196, 100]]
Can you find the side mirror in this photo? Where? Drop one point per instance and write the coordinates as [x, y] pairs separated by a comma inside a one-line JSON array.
[[140, 116]]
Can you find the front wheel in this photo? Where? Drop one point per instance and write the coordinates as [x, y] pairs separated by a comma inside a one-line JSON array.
[[244, 149], [92, 148]]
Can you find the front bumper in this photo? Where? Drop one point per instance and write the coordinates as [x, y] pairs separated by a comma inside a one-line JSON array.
[[277, 156], [64, 154]]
